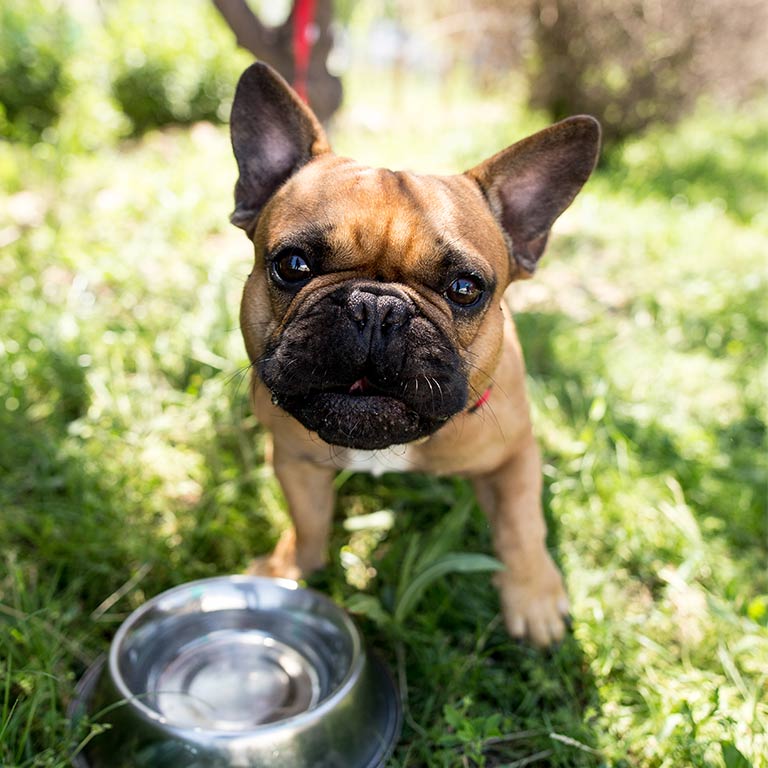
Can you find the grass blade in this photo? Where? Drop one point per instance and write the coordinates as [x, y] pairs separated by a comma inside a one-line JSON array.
[[453, 562]]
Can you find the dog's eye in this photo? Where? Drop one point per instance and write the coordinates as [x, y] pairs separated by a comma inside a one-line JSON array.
[[291, 266], [464, 291]]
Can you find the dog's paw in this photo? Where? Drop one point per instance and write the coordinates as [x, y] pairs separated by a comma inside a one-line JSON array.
[[536, 606], [281, 563], [287, 561], [269, 567]]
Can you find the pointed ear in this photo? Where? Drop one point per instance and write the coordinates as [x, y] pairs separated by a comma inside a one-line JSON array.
[[273, 134], [529, 184]]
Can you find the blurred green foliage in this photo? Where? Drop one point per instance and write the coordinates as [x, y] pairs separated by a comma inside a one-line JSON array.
[[715, 157], [172, 64], [107, 71], [37, 38]]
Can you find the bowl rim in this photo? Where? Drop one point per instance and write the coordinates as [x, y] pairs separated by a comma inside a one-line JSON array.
[[300, 720], [80, 705]]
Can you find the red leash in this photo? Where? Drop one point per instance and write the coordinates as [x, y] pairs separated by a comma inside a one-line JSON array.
[[304, 36]]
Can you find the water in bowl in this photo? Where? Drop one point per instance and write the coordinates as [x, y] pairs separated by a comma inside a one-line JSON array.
[[232, 670]]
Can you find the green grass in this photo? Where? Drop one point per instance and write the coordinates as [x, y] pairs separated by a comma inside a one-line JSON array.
[[129, 462]]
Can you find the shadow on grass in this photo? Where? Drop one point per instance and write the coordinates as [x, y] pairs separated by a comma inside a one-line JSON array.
[[472, 692], [68, 523], [62, 551], [79, 523]]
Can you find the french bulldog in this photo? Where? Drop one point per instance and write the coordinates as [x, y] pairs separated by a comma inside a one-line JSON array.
[[376, 327]]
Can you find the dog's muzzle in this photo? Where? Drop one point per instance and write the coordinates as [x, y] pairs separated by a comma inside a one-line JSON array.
[[364, 369]]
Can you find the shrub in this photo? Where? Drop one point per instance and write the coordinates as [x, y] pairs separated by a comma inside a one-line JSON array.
[[37, 37], [633, 64], [65, 69], [172, 63]]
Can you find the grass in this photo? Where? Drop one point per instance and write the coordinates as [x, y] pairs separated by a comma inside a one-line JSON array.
[[130, 463]]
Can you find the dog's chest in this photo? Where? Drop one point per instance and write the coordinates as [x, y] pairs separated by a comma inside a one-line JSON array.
[[396, 458]]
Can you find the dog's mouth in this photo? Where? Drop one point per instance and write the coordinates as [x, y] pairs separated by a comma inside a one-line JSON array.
[[360, 415], [362, 387]]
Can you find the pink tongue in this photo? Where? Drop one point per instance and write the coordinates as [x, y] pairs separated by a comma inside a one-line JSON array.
[[359, 386]]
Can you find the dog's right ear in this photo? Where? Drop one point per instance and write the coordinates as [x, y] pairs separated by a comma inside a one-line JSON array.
[[273, 135]]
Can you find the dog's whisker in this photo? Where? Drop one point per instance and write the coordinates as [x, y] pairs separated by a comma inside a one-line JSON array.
[[431, 390]]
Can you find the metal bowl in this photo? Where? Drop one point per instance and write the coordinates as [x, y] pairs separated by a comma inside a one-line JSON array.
[[238, 672]]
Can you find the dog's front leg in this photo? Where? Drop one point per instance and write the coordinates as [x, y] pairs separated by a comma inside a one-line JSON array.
[[308, 490], [531, 589]]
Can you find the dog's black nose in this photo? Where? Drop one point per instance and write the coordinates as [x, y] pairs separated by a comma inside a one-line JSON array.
[[382, 312]]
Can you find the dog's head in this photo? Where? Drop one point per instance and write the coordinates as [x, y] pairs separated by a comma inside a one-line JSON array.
[[372, 313]]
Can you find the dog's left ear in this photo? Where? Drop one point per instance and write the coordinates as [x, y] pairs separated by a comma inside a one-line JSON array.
[[273, 135], [529, 184]]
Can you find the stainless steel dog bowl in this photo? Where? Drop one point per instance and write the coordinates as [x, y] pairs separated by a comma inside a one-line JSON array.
[[238, 672]]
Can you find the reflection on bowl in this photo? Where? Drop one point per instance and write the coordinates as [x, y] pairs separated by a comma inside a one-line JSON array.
[[238, 671]]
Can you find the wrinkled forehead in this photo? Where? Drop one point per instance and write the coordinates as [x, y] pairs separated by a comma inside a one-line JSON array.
[[380, 215]]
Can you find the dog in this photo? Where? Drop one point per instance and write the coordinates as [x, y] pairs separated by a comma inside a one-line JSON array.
[[376, 328]]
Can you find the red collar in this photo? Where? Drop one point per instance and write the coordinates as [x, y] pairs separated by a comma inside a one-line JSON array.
[[485, 397]]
